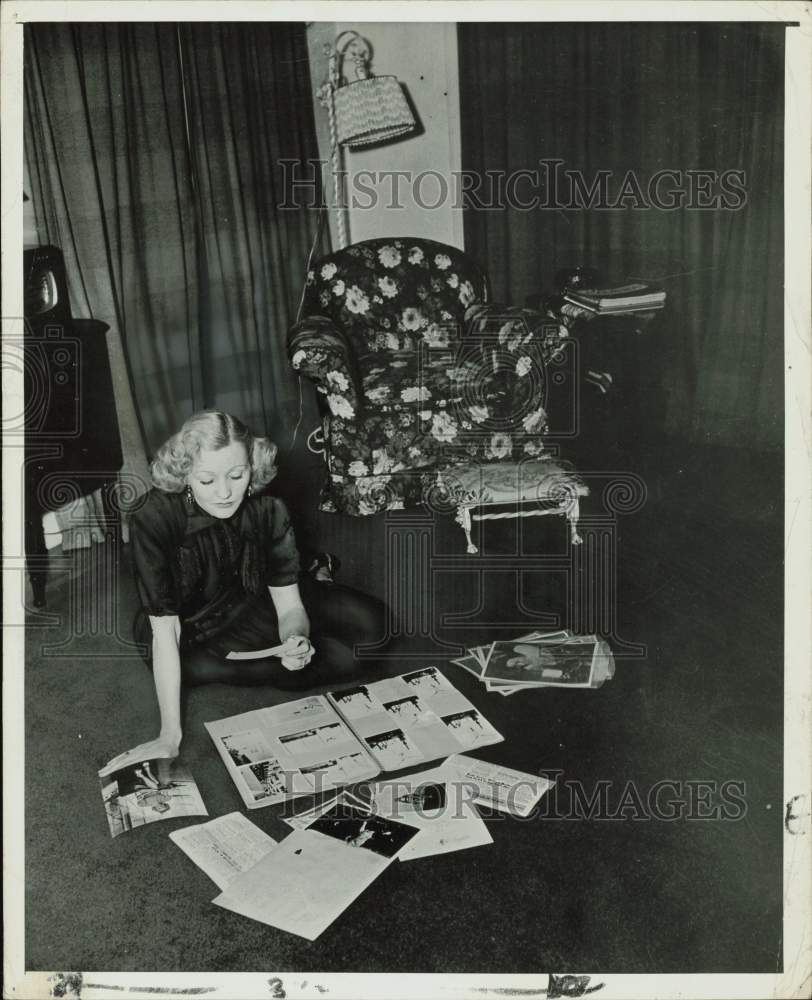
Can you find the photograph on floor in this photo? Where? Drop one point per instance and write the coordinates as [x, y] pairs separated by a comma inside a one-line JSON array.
[[372, 833], [148, 791], [536, 662]]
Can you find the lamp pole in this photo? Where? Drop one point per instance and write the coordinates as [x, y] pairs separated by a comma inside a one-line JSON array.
[[335, 149]]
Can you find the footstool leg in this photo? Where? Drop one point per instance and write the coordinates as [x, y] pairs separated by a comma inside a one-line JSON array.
[[464, 518], [573, 514]]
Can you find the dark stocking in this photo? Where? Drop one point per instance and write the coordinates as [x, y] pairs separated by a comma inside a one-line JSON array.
[[341, 620]]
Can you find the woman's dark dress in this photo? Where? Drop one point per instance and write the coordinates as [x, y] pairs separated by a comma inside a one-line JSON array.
[[214, 574]]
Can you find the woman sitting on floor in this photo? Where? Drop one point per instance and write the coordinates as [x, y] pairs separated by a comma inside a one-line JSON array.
[[217, 572]]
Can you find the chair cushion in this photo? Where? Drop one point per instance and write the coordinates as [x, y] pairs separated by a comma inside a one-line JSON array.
[[372, 494], [417, 438], [549, 481]]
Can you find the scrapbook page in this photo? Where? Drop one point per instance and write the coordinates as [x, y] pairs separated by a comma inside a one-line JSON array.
[[414, 718], [298, 748]]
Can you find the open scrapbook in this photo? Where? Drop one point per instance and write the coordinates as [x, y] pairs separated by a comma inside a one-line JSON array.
[[325, 741]]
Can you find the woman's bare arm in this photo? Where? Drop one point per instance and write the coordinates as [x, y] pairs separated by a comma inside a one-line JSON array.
[[166, 674], [294, 625]]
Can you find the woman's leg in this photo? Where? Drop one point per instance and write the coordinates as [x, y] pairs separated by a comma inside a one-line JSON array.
[[200, 665], [341, 619], [346, 616]]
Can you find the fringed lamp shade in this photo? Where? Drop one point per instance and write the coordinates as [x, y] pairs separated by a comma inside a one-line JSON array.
[[370, 111]]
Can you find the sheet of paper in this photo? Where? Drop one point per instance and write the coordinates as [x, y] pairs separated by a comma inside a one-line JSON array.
[[434, 802], [302, 885], [308, 880], [148, 791], [224, 847], [256, 654], [516, 792]]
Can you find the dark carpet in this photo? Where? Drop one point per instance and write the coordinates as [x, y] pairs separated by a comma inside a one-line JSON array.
[[698, 584]]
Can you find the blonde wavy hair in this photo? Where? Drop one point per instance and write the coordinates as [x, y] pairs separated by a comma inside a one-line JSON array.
[[210, 430]]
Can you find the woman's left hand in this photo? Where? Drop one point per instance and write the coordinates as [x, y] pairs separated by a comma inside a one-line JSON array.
[[298, 652], [159, 748]]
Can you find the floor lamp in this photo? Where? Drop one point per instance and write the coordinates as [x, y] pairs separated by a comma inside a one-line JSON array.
[[366, 111]]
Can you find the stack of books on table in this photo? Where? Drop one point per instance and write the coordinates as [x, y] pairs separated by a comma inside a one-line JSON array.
[[552, 659], [632, 298]]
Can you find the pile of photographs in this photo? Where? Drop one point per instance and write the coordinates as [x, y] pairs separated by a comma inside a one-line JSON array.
[[540, 659]]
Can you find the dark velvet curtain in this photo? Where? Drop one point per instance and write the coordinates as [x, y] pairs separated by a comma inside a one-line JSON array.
[[645, 98], [154, 155]]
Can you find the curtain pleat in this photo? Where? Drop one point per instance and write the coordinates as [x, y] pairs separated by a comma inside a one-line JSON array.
[[153, 154], [249, 107], [645, 98]]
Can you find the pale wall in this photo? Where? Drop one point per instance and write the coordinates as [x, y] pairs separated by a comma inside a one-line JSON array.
[[423, 56]]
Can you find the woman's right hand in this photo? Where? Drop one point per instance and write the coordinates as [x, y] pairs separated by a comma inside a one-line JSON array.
[[160, 748], [298, 652]]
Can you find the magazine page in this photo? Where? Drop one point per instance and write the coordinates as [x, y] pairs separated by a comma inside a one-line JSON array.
[[438, 804], [413, 718], [567, 664], [313, 875], [223, 847], [149, 791], [297, 748], [503, 788]]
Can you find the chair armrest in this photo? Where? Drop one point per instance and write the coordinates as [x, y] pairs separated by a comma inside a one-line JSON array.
[[318, 350], [515, 327]]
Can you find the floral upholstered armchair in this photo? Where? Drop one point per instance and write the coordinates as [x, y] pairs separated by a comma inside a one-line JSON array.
[[421, 379]]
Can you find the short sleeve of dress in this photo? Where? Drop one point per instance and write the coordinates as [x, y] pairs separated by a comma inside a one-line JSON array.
[[152, 542], [282, 555]]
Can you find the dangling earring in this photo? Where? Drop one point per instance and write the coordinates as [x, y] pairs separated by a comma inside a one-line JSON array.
[[250, 490], [189, 495]]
